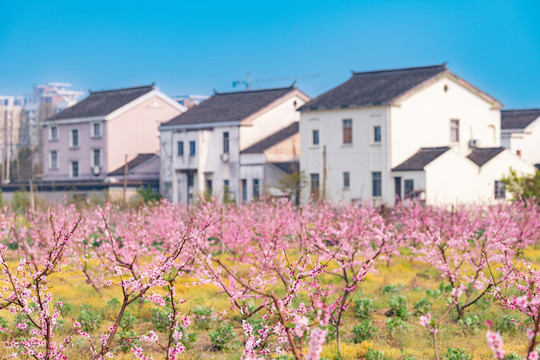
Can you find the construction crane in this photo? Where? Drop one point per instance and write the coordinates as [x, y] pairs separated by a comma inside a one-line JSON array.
[[249, 82]]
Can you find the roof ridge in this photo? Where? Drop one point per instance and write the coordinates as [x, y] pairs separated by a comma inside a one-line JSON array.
[[253, 91], [435, 148], [443, 65], [516, 110], [122, 89]]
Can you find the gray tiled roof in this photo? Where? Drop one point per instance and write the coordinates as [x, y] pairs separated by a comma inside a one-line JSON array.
[[518, 119], [418, 161], [132, 164], [272, 140], [230, 106], [102, 103], [480, 156], [373, 88], [287, 167]]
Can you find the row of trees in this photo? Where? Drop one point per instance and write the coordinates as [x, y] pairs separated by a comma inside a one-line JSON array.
[[295, 269]]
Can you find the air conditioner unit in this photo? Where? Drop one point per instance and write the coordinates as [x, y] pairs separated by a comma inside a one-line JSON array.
[[96, 170], [474, 143], [225, 157]]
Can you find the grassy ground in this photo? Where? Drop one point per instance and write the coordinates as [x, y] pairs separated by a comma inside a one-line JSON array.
[[405, 277]]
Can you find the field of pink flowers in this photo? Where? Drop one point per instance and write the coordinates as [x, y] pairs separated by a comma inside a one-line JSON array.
[[294, 283]]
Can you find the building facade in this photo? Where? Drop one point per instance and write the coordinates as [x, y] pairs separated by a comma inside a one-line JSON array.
[[201, 150], [521, 133], [103, 131], [357, 137]]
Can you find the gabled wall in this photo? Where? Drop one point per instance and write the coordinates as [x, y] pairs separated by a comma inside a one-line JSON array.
[[136, 130], [423, 119]]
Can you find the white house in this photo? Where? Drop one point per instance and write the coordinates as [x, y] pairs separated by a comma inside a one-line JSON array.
[[520, 132], [202, 149], [383, 135]]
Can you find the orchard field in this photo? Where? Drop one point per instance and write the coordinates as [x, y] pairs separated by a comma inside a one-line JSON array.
[[270, 280]]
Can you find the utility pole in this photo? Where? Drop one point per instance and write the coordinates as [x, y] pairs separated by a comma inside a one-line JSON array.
[[324, 174], [125, 177]]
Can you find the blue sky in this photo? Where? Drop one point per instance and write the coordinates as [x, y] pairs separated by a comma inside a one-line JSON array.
[[195, 47]]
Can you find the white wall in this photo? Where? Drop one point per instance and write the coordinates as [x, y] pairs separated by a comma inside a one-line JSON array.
[[278, 116], [498, 168], [359, 158], [451, 180], [527, 141], [423, 120]]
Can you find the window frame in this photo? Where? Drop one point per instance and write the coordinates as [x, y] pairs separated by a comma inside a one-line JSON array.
[[376, 184], [51, 137], [408, 193], [499, 190], [72, 138], [51, 165], [346, 180], [192, 148], [71, 168], [180, 148], [93, 130], [256, 188], [93, 157], [347, 130], [454, 130], [226, 142], [314, 178], [377, 135], [244, 189], [315, 140]]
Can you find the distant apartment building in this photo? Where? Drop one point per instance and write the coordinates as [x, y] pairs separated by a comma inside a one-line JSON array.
[[11, 115], [233, 146], [520, 132], [45, 101], [93, 137], [190, 101], [388, 135]]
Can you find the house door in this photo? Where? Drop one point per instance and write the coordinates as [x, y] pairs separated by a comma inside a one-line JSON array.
[[397, 183]]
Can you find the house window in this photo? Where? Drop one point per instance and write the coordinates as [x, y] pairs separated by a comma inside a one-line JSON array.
[[346, 180], [347, 131], [192, 148], [315, 137], [53, 133], [376, 134], [74, 141], [209, 186], [74, 169], [226, 142], [53, 159], [454, 130], [315, 185], [409, 188], [256, 188], [96, 157], [226, 190], [96, 130], [180, 151], [244, 190], [376, 183], [500, 192]]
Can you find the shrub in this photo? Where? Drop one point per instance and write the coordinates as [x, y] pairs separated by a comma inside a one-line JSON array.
[[203, 317], [470, 323], [128, 321], [508, 324], [65, 309], [364, 331], [398, 307], [363, 307], [422, 307], [456, 354], [127, 339], [90, 320], [160, 318], [392, 288], [222, 337], [396, 325], [376, 355]]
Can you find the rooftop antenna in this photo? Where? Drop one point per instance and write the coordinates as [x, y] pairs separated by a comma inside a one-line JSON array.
[[248, 82]]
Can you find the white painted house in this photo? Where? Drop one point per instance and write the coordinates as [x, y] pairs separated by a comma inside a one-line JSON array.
[[520, 132], [233, 145], [385, 135]]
